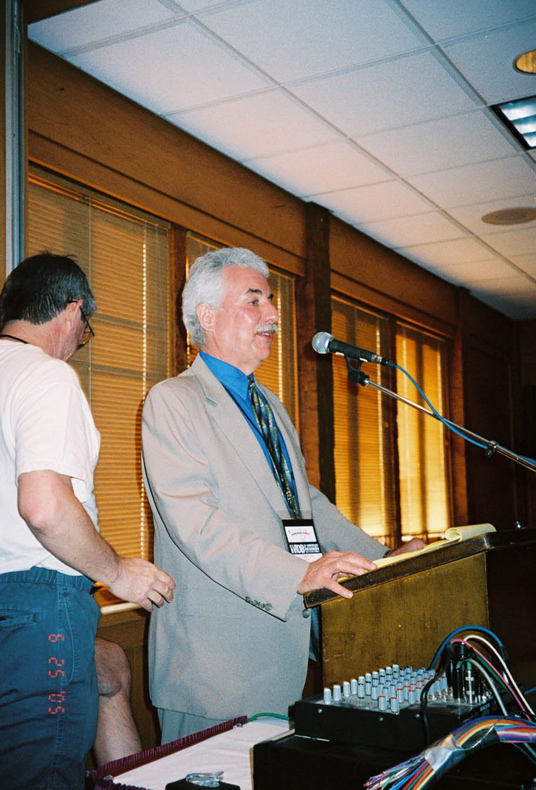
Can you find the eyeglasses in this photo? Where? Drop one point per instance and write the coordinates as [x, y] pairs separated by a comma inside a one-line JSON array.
[[88, 331]]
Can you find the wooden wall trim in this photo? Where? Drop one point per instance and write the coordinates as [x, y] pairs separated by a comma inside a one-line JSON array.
[[526, 420], [360, 263], [70, 164], [36, 10], [370, 297], [80, 122]]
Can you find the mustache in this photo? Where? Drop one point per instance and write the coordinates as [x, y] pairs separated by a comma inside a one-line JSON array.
[[268, 328]]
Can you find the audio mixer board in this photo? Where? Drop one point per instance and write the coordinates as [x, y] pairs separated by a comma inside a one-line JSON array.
[[385, 708]]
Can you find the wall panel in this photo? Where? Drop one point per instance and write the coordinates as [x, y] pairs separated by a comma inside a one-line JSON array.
[[81, 123], [366, 270]]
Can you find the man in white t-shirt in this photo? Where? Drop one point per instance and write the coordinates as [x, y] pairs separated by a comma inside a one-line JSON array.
[[51, 552]]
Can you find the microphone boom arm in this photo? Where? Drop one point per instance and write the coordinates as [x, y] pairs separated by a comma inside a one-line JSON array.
[[356, 374]]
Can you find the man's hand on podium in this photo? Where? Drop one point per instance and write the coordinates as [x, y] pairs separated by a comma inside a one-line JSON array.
[[325, 571]]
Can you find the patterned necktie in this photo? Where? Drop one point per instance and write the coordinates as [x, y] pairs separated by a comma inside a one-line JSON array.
[[264, 417]]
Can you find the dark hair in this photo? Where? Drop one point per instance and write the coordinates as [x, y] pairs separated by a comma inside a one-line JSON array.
[[41, 287]]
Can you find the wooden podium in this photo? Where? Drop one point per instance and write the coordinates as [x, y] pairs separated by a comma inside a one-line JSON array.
[[402, 612]]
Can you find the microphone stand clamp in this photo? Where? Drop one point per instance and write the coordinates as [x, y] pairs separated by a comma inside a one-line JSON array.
[[355, 373]]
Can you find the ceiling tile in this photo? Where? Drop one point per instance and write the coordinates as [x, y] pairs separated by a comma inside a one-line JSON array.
[[387, 95], [321, 169], [512, 284], [453, 251], [407, 231], [477, 272], [451, 18], [520, 240], [500, 47], [201, 5], [375, 202], [256, 125], [293, 39], [526, 262], [439, 144], [171, 69], [97, 21], [507, 177], [510, 293]]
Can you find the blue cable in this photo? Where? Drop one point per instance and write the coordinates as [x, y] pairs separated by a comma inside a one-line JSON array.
[[489, 447], [459, 631], [435, 412]]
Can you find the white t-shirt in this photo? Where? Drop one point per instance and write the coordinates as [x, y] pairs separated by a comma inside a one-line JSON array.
[[45, 423]]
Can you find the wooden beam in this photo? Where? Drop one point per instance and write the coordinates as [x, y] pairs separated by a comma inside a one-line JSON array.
[[36, 10], [313, 296], [86, 130]]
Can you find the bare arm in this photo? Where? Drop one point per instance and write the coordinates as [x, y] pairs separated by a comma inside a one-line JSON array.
[[59, 522]]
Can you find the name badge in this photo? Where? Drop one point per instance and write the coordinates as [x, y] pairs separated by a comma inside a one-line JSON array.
[[301, 538]]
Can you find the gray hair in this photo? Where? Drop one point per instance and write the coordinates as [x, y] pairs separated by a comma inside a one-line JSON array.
[[205, 284]]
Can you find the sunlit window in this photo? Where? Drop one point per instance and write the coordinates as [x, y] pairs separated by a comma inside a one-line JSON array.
[[363, 427], [126, 257], [422, 450], [390, 459]]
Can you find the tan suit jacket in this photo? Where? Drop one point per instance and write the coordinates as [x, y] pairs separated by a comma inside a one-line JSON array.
[[235, 639]]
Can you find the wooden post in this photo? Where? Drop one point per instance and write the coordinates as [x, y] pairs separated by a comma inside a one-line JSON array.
[[456, 397], [313, 296]]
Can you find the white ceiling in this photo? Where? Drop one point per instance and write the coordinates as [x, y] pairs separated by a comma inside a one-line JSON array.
[[376, 109]]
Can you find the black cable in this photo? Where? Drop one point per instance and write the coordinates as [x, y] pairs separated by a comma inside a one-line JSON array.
[[424, 706]]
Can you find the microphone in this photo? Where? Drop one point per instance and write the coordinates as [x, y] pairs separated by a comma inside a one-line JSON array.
[[323, 343]]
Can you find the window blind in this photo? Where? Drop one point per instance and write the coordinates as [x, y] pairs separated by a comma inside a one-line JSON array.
[[391, 461], [363, 429], [422, 447], [126, 256]]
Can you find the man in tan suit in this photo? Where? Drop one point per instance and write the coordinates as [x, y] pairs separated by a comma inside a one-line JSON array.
[[235, 641]]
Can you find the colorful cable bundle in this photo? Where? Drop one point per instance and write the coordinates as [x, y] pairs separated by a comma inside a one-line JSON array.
[[427, 767]]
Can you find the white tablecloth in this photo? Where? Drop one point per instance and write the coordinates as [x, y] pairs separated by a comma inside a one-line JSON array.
[[230, 752]]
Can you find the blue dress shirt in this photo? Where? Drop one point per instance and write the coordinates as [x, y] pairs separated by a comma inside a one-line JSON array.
[[236, 383]]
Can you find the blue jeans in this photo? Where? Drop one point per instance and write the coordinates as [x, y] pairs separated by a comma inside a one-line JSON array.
[[48, 684]]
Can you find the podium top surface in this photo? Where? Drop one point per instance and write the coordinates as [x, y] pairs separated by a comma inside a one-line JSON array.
[[490, 541]]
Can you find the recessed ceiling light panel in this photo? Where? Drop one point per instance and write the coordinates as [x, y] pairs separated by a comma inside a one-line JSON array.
[[520, 117]]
